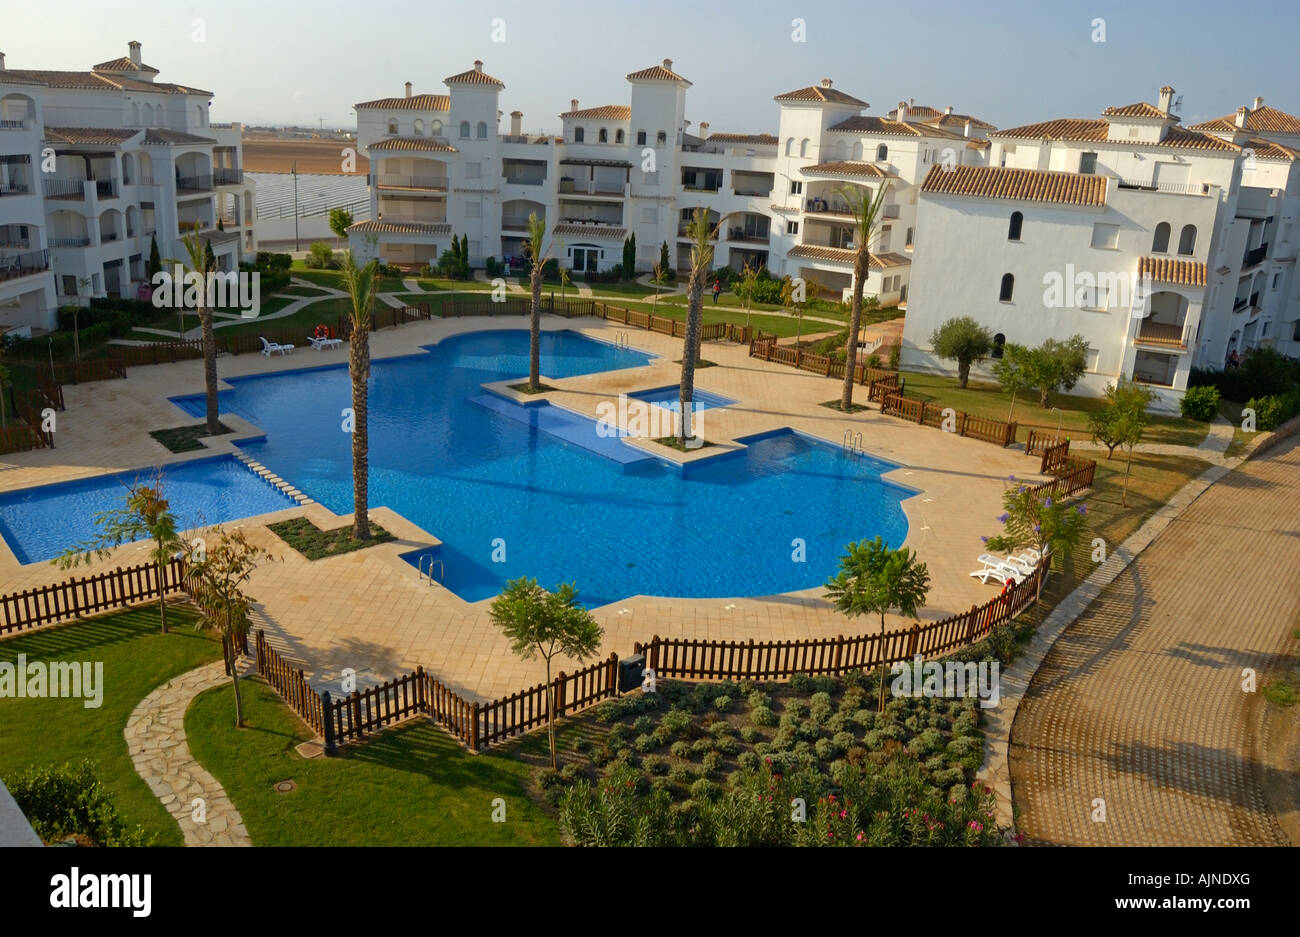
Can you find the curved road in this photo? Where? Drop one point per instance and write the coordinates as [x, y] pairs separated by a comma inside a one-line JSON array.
[[1139, 703]]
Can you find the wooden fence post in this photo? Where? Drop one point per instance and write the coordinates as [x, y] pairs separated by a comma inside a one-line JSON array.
[[355, 707], [558, 689], [473, 727], [839, 654], [421, 700], [327, 723]]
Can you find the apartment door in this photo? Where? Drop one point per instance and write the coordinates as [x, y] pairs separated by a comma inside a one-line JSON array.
[[585, 258], [113, 278]]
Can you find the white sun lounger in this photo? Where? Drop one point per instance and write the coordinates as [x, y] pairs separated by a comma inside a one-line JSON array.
[[270, 348], [999, 574], [320, 344]]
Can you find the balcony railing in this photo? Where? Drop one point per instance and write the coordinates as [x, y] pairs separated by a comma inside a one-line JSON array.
[[228, 176], [106, 188], [1173, 188], [891, 211], [432, 183], [516, 222], [1161, 333], [82, 241], [751, 191], [65, 188], [522, 180], [1255, 256], [15, 188], [1152, 379], [825, 207], [200, 183], [13, 266], [1240, 303], [13, 125]]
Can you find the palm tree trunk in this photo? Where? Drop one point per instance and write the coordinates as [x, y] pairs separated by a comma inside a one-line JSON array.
[[359, 369], [861, 265], [690, 350], [210, 368], [535, 329]]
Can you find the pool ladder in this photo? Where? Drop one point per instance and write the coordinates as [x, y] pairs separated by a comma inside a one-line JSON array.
[[433, 561], [621, 340], [852, 443]]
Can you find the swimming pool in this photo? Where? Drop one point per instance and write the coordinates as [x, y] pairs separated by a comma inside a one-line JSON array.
[[40, 523], [534, 490], [670, 398]]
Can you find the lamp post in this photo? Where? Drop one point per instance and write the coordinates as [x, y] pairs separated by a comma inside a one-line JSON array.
[[294, 172]]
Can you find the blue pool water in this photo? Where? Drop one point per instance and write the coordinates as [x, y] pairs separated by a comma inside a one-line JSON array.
[[484, 474], [670, 397], [39, 523]]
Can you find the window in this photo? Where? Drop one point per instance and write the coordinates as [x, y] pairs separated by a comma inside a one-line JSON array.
[[640, 138], [1160, 243], [618, 136], [1013, 230], [649, 215], [435, 128], [392, 125], [464, 129], [419, 127], [1105, 236], [661, 137], [473, 210], [999, 342], [603, 135], [796, 188], [792, 227], [69, 284], [1187, 240], [482, 130], [1087, 163], [789, 146], [803, 147], [1277, 280], [882, 153], [1007, 288], [882, 244], [578, 134], [1295, 334], [908, 242]]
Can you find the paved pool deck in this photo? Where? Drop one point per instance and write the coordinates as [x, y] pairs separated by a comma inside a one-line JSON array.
[[369, 610]]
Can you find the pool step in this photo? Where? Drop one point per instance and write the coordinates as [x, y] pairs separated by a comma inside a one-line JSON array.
[[257, 468]]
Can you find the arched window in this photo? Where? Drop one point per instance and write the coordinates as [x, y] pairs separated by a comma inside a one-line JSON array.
[[1013, 230], [135, 115], [882, 153], [201, 116], [999, 341], [1187, 240], [1160, 243], [392, 125], [842, 149], [578, 134], [419, 127], [464, 129], [789, 147], [482, 130], [435, 128], [1008, 286], [618, 136], [857, 150], [803, 147], [602, 136]]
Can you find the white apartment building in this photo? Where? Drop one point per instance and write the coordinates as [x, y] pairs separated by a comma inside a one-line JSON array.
[[96, 164], [440, 166], [1069, 216]]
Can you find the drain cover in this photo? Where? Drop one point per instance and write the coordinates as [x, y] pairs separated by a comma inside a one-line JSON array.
[[285, 787]]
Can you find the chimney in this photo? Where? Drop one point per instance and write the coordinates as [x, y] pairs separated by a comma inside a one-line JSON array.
[[1241, 117], [408, 89], [668, 64], [2, 61], [1259, 102], [516, 121], [133, 48], [902, 110], [1166, 99], [704, 130], [966, 129], [947, 110], [573, 104], [826, 82]]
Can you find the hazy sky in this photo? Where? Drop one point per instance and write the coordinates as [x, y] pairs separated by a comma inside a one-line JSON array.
[[1008, 62]]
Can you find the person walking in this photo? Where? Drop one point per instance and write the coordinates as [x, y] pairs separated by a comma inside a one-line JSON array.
[[717, 289]]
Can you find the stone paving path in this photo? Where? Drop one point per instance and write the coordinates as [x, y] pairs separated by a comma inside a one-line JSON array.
[[1139, 702], [155, 739]]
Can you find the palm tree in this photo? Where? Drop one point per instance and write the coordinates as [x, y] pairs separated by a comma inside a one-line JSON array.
[[361, 285], [700, 234], [866, 220], [533, 247], [660, 277], [201, 261]]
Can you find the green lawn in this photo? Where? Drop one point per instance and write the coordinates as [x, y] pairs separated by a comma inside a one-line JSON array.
[[409, 786], [137, 659], [988, 400], [334, 278]]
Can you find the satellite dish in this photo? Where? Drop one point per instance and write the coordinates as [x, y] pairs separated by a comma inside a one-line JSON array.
[[1178, 103]]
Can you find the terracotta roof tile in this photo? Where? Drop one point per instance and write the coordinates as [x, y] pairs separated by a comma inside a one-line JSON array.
[[102, 136], [163, 137], [92, 81], [475, 76], [756, 139], [958, 122], [604, 112], [1267, 149], [1031, 185], [1168, 270], [840, 255], [819, 95], [1140, 109], [846, 168], [1098, 131], [124, 64], [415, 144], [655, 73], [1262, 119], [589, 231], [877, 125], [400, 227], [416, 102], [933, 115]]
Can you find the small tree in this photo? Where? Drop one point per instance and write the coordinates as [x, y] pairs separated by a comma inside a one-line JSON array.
[[547, 623], [664, 260], [217, 577], [146, 514], [340, 221], [1058, 365], [155, 258], [962, 340], [747, 285], [873, 579], [658, 279], [629, 256], [1045, 523], [1015, 373], [1122, 421], [200, 260]]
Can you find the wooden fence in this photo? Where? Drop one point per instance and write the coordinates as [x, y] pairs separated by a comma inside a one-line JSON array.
[[88, 595], [1055, 458], [290, 683], [1039, 440], [948, 419], [112, 367], [1072, 477], [794, 356]]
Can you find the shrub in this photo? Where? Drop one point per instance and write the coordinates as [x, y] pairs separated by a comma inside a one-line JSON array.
[[68, 800], [710, 762], [747, 760], [582, 745], [749, 734], [843, 740], [676, 721], [571, 772], [825, 749], [1201, 403], [701, 746], [727, 745], [681, 749], [801, 683], [681, 774], [654, 764], [644, 743], [759, 700], [321, 257], [1271, 412], [643, 724], [704, 789], [722, 703], [721, 729], [966, 751], [931, 740], [762, 716], [493, 267]]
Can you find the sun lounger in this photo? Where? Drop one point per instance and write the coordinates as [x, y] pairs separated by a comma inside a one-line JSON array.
[[320, 344], [270, 348], [999, 574]]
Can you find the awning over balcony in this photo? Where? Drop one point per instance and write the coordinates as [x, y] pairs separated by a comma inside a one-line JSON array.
[[840, 255], [400, 227], [582, 161], [1168, 270], [606, 232], [410, 144], [847, 168]]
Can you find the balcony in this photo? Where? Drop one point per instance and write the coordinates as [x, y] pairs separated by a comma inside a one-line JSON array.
[[70, 189], [516, 222], [1161, 334], [228, 176], [13, 266], [105, 188], [821, 206], [524, 180], [13, 125], [1171, 188], [1254, 256], [191, 184], [72, 241], [1240, 303], [419, 184], [593, 188], [15, 188]]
